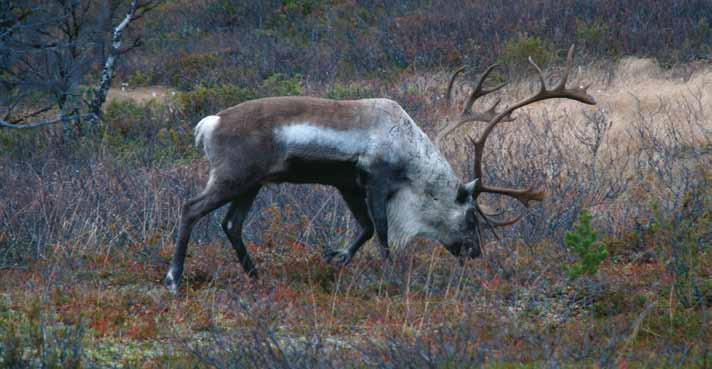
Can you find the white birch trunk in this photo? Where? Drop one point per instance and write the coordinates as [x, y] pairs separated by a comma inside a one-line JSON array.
[[107, 73]]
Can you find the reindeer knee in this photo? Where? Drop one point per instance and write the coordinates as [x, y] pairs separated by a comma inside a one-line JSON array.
[[187, 213]]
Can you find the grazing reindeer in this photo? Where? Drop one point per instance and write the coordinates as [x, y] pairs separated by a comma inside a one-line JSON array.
[[392, 177]]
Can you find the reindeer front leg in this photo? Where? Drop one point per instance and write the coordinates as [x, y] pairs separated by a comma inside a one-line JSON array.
[[355, 199], [377, 192]]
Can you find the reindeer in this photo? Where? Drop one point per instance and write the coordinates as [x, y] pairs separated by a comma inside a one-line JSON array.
[[392, 177]]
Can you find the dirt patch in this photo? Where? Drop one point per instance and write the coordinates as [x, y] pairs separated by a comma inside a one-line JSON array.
[[141, 94]]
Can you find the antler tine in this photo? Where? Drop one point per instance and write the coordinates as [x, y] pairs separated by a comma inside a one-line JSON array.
[[495, 223], [540, 74], [492, 214], [505, 223], [493, 108], [567, 70], [451, 83], [480, 91], [523, 196], [578, 94], [560, 91], [484, 116], [467, 115]]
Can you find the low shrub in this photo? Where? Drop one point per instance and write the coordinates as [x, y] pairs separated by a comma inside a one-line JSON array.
[[149, 131], [280, 85], [204, 100], [517, 50], [593, 34], [141, 78], [345, 91], [190, 69], [30, 339], [123, 116]]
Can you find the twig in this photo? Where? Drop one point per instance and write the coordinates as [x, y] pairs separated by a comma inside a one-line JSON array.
[[6, 124]]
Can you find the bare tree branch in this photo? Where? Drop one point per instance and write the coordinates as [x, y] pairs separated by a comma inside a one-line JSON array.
[[46, 51], [33, 114], [107, 73], [7, 124]]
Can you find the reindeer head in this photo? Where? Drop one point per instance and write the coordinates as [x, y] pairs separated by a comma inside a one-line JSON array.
[[472, 216]]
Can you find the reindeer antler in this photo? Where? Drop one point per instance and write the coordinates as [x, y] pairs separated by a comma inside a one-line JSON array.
[[467, 115], [525, 196]]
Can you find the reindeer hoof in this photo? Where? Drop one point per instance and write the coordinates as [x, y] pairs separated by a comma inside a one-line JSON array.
[[171, 283], [338, 257]]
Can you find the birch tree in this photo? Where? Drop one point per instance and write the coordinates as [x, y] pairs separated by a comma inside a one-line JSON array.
[[47, 50]]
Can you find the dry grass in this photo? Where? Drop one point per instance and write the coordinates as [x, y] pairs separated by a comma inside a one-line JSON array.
[[141, 94], [87, 239]]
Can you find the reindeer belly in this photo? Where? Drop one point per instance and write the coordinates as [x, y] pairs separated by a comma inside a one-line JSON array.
[[334, 173], [314, 154]]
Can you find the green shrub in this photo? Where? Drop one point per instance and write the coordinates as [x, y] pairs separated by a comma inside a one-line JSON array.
[[204, 100], [120, 116], [705, 292], [345, 91], [279, 85], [14, 140], [593, 34], [137, 131], [305, 7], [516, 51], [681, 237], [614, 300], [34, 339], [583, 242], [140, 78], [225, 12], [698, 39], [190, 69]]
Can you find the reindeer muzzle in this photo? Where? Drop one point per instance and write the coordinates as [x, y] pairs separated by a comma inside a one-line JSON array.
[[470, 248]]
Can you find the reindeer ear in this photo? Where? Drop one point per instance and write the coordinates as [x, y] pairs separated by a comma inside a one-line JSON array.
[[464, 192]]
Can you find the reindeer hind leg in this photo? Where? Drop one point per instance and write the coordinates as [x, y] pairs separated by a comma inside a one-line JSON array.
[[232, 225], [216, 194]]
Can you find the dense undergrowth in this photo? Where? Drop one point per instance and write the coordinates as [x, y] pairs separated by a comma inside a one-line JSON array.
[[228, 41], [87, 223]]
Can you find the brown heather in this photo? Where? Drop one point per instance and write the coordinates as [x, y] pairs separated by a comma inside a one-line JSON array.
[[86, 233]]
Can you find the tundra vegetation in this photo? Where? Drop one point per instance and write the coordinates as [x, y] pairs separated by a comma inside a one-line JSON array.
[[612, 270]]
